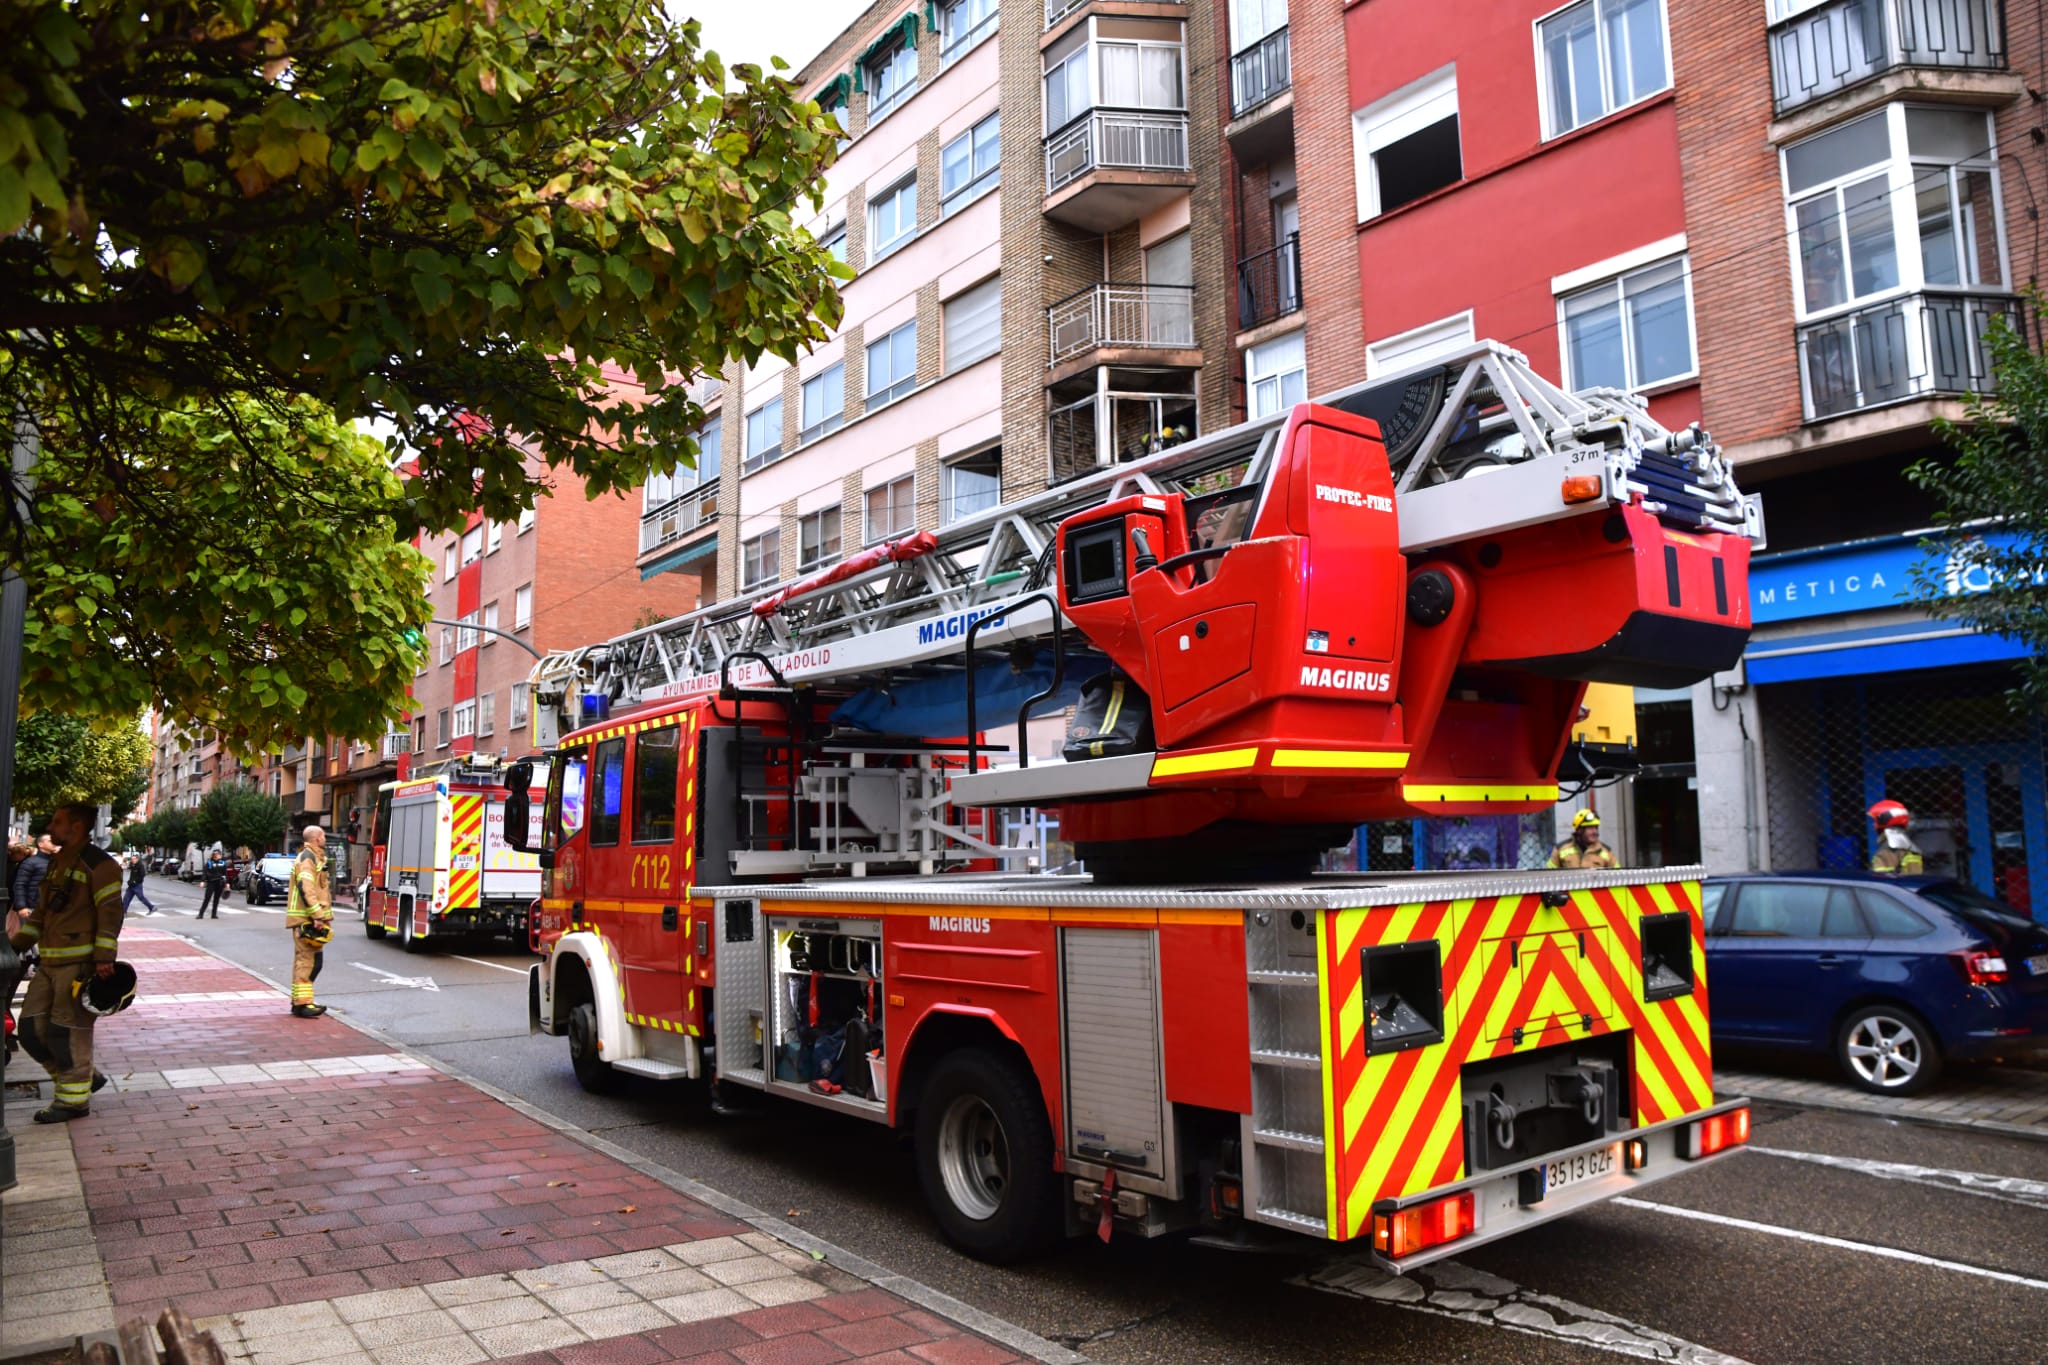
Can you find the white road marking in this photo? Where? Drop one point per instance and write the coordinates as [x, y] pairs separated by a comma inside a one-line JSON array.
[[516, 971], [418, 983], [1841, 1243], [1450, 1290], [2009, 1188]]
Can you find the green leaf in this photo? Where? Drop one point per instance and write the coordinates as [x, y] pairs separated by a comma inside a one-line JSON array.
[[428, 155]]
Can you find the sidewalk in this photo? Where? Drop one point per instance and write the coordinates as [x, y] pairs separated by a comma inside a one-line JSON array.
[[315, 1197], [2010, 1100]]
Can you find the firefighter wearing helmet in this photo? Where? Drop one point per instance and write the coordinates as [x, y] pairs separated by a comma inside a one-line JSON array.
[[75, 930], [1896, 855], [309, 913], [1584, 848]]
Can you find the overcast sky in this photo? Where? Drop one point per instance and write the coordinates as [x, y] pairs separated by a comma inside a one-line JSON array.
[[755, 30]]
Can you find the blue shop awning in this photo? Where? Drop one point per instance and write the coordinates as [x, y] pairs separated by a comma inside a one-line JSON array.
[[1892, 648], [676, 559]]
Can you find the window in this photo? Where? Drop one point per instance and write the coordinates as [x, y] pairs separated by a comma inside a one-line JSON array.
[[892, 218], [834, 242], [1141, 75], [656, 755], [1067, 94], [891, 509], [473, 544], [1889, 919], [526, 521], [465, 719], [1418, 345], [1599, 56], [973, 324], [710, 448], [491, 620], [1251, 20], [1795, 910], [517, 718], [817, 538], [495, 536], [419, 735], [486, 712], [1406, 145], [969, 166], [441, 727], [522, 607], [824, 403], [973, 484], [447, 644], [962, 26], [760, 560], [608, 792], [1631, 332], [448, 562], [1276, 375], [892, 365], [764, 436], [465, 637], [891, 79]]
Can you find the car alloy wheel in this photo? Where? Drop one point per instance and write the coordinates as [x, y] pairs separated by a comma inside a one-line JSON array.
[[1886, 1051]]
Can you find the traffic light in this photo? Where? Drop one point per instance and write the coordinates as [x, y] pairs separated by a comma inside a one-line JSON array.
[[416, 637]]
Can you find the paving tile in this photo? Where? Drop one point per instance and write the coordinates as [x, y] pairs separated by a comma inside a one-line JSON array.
[[621, 1320], [444, 1351], [568, 1275], [385, 1303], [668, 1283], [633, 1350], [406, 1327], [708, 1303], [861, 1304], [297, 1317], [481, 1289], [963, 1351], [527, 1336], [781, 1321], [801, 1349], [629, 1264], [499, 1312], [782, 1289], [709, 1250], [742, 1269], [872, 1336]]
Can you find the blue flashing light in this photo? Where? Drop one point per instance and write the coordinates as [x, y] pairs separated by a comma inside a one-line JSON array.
[[594, 707]]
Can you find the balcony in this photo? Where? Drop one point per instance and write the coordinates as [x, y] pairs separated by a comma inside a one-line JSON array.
[[1110, 167], [1141, 316], [396, 744], [1269, 284], [1129, 413], [679, 517], [1056, 10], [1909, 347], [1259, 73], [1822, 51]]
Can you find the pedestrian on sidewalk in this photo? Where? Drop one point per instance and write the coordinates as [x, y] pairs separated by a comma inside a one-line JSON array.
[[309, 913], [75, 931], [216, 882], [137, 870], [28, 877]]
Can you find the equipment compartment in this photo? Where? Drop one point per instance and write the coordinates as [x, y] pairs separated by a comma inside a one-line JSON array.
[[825, 997]]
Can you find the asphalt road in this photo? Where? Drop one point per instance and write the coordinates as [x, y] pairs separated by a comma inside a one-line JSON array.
[[1837, 1238]]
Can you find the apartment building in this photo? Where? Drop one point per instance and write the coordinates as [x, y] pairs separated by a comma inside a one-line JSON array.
[[1789, 220], [1032, 206]]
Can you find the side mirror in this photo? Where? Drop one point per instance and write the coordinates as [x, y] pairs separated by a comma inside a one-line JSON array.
[[519, 805]]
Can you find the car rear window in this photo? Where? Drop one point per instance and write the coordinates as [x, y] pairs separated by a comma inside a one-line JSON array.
[[1889, 919], [1993, 917]]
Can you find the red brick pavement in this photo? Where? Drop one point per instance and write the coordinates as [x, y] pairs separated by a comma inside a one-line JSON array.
[[205, 1035]]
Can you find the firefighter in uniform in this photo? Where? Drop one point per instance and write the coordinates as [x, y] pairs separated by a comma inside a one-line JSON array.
[[1584, 848], [1897, 855], [309, 913], [74, 931]]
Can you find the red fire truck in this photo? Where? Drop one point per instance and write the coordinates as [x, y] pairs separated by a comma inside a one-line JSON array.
[[441, 865], [761, 871]]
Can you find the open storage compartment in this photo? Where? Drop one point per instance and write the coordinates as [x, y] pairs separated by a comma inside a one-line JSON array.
[[826, 1002]]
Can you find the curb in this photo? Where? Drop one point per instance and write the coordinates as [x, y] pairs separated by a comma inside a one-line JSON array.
[[1992, 1127], [932, 1300]]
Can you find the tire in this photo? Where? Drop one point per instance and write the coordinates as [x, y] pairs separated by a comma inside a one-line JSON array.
[[405, 934], [985, 1157], [255, 896], [370, 926], [593, 1073], [1888, 1050]]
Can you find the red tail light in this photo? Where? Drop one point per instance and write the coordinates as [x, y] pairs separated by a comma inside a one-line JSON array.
[[1426, 1225], [1980, 968], [1717, 1134]]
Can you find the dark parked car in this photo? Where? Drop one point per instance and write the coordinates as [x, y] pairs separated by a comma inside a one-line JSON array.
[[270, 877], [1894, 975]]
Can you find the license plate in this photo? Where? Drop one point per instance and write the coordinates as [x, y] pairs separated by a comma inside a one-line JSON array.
[[2038, 965], [1574, 1169]]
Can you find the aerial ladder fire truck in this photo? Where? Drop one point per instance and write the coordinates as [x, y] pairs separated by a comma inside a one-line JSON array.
[[773, 850]]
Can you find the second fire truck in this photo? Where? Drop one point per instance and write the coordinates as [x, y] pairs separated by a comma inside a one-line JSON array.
[[441, 864], [772, 852]]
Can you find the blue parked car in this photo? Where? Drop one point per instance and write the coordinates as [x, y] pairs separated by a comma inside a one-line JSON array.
[[1894, 975]]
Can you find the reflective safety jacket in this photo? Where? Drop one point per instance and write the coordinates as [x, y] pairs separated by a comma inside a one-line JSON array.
[[78, 914], [1897, 862], [311, 896], [1595, 854]]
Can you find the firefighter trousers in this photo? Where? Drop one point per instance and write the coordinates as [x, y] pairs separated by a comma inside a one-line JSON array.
[[57, 1032], [306, 963]]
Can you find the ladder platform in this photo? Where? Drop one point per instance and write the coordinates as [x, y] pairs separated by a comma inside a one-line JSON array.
[[1050, 783], [1280, 1137], [652, 1069]]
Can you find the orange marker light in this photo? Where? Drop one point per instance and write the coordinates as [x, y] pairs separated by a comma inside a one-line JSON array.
[[1426, 1225], [1583, 487]]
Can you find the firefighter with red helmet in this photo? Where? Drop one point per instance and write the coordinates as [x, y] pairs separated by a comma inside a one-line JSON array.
[[1584, 848], [75, 931], [1896, 855]]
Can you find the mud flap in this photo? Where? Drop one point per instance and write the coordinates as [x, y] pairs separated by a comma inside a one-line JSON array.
[[533, 1000]]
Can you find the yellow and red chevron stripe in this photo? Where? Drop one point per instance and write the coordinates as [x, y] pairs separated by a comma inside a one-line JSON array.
[[465, 852], [1517, 975]]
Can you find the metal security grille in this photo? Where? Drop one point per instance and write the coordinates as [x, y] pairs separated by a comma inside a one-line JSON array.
[[1946, 742]]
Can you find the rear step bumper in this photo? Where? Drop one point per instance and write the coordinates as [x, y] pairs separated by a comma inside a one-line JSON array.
[[1500, 1208]]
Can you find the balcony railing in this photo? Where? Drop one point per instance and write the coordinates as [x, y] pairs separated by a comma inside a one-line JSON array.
[[1120, 138], [1818, 52], [396, 744], [678, 517], [1269, 283], [1901, 348], [1258, 73], [1161, 315]]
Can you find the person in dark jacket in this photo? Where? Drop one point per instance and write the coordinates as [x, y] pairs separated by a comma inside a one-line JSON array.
[[138, 868], [28, 877], [216, 875]]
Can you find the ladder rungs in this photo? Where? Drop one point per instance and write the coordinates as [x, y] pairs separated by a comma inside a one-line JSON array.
[[1300, 1061], [1280, 1137]]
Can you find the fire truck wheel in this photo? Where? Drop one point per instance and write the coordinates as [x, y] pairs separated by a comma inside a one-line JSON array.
[[985, 1159], [593, 1073], [372, 927], [405, 935]]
